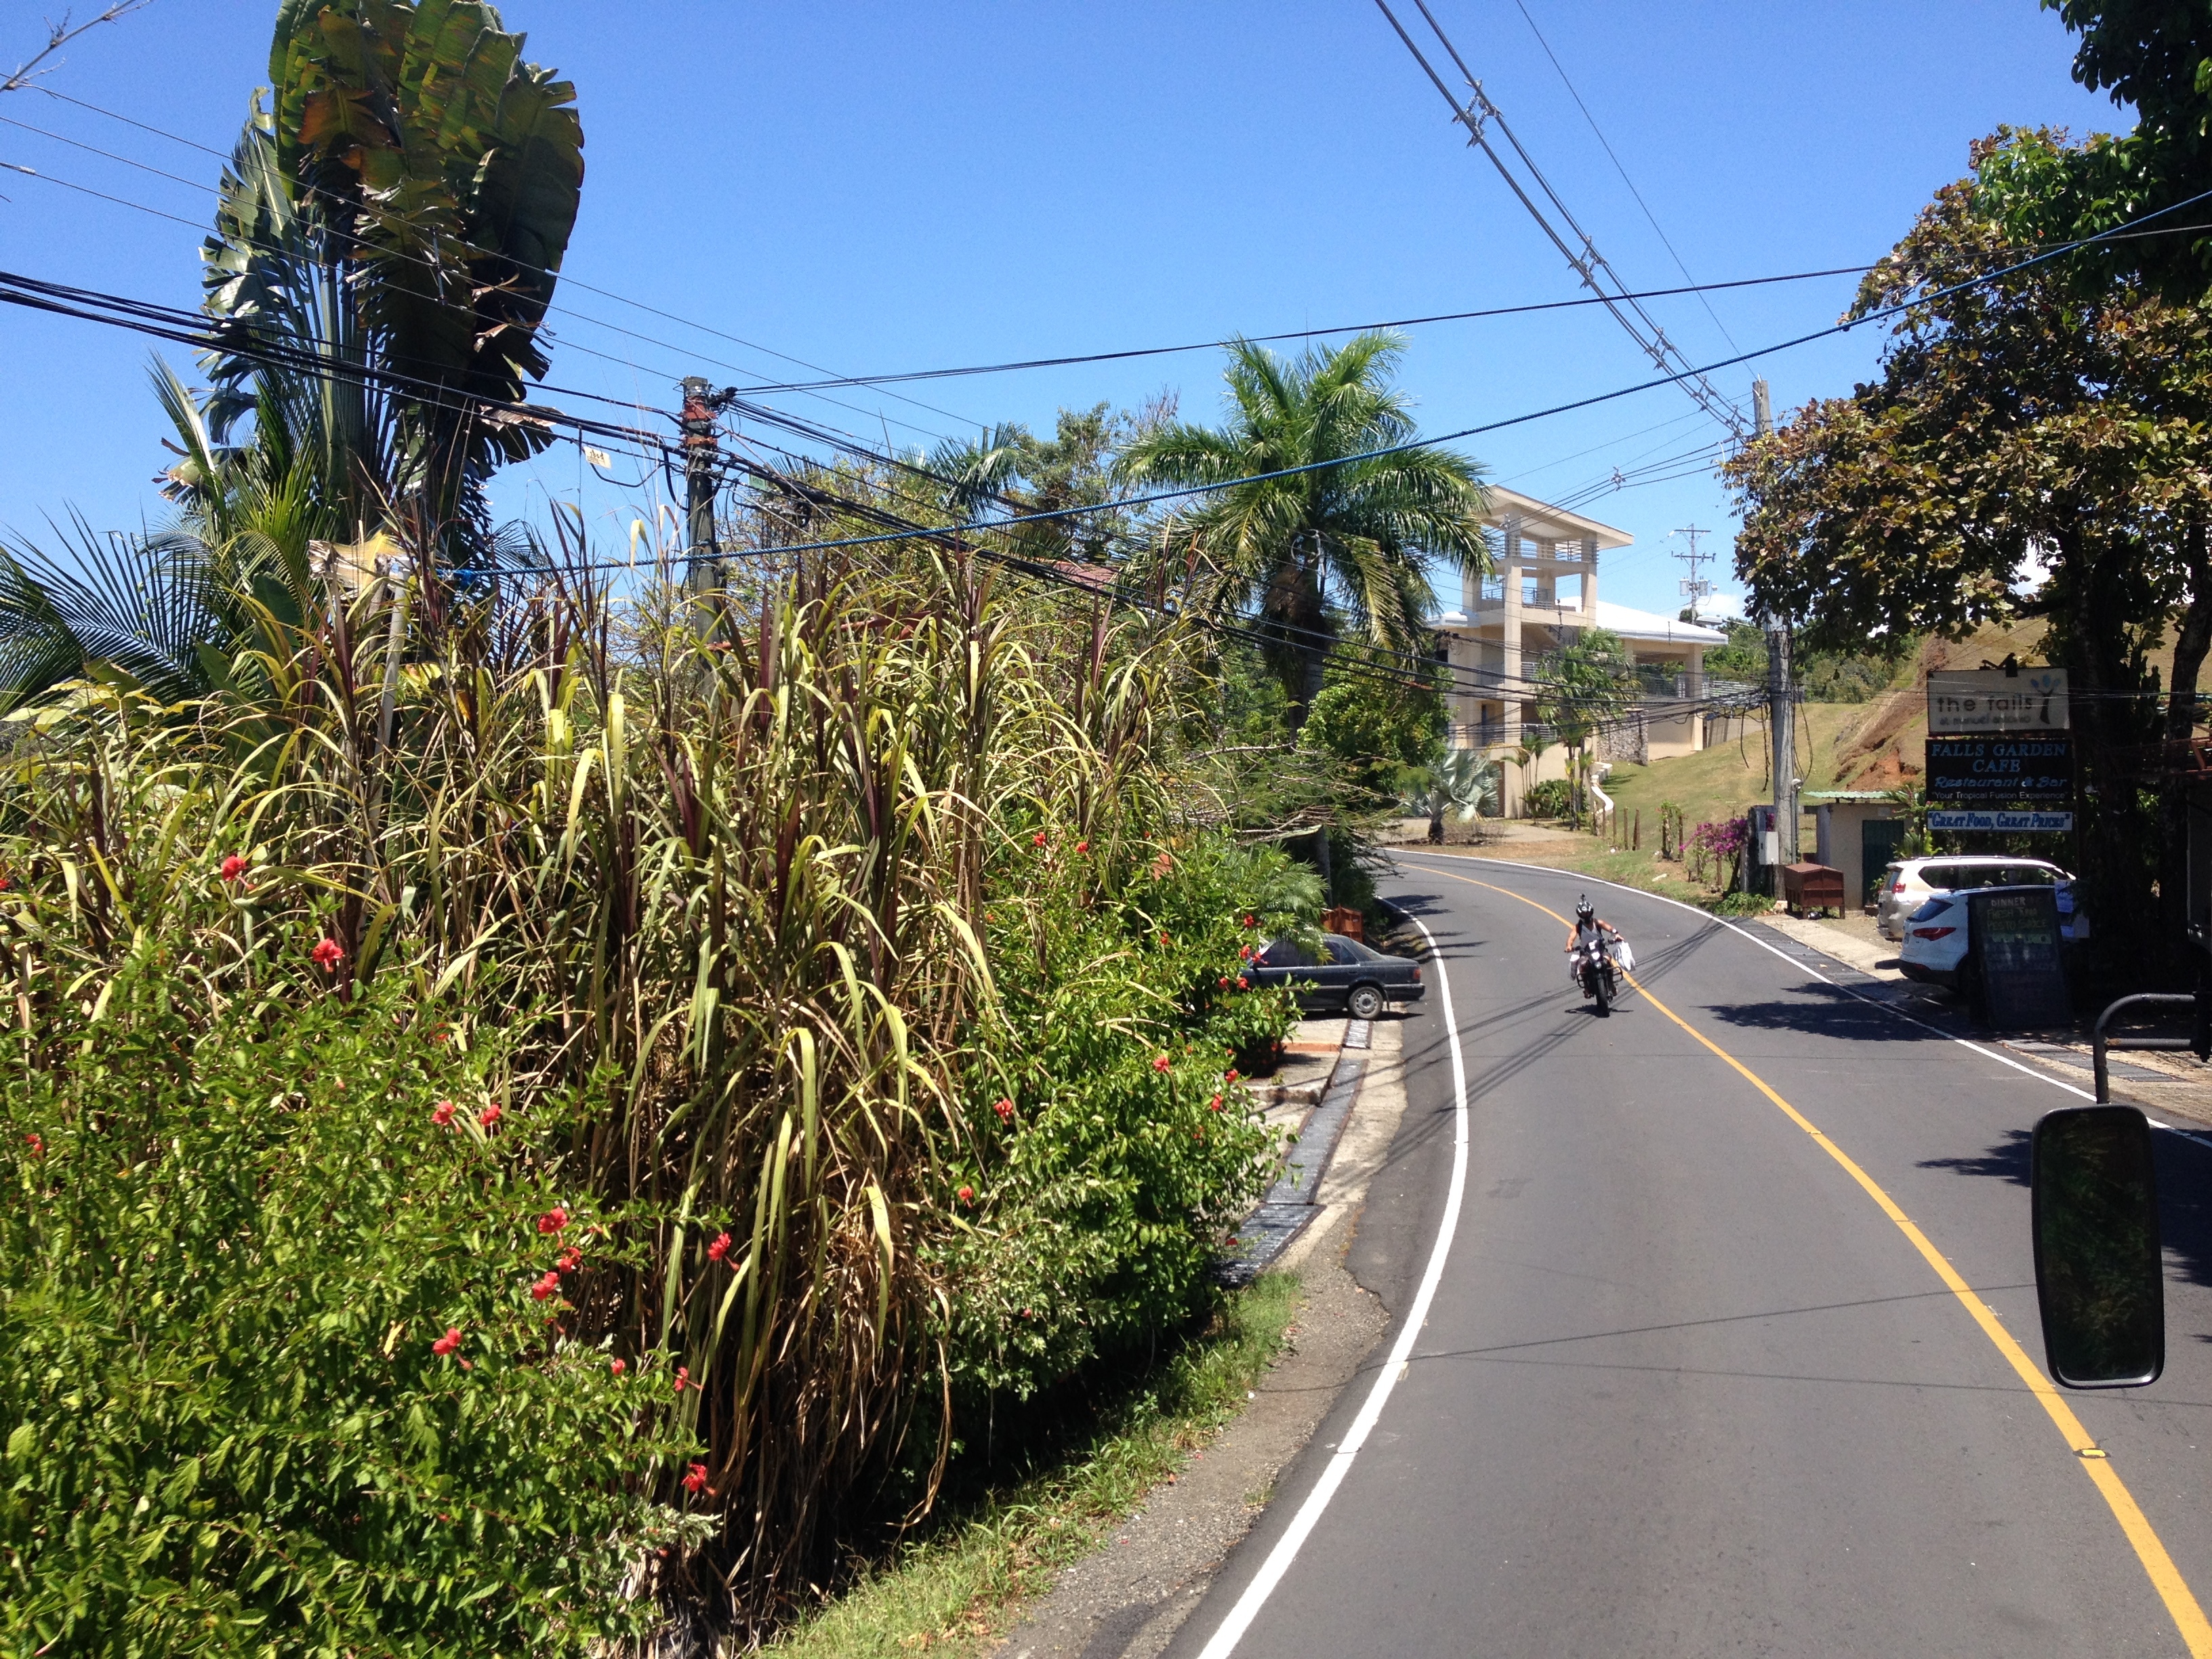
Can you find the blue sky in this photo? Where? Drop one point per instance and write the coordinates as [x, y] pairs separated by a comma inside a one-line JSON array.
[[877, 187]]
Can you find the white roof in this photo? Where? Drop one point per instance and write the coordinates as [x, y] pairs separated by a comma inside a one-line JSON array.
[[1633, 624]]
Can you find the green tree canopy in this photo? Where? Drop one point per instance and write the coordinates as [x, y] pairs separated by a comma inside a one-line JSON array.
[[1010, 466], [2030, 449], [2155, 56], [1378, 726], [1341, 549]]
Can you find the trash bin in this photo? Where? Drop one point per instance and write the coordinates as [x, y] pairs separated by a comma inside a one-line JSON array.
[[1807, 887]]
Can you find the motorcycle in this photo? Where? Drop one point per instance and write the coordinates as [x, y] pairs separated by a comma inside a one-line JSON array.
[[1594, 968]]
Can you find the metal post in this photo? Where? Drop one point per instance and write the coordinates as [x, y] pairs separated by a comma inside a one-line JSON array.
[[1781, 700]]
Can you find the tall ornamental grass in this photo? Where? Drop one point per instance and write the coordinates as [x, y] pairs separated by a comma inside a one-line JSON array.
[[838, 942]]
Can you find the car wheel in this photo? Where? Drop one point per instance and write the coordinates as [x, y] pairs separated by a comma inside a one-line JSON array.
[[1366, 1001]]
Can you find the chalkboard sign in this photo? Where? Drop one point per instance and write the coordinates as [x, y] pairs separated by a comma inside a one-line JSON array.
[[2005, 770], [2012, 941]]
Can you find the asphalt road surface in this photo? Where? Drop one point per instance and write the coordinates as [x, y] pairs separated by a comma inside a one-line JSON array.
[[1687, 1386]]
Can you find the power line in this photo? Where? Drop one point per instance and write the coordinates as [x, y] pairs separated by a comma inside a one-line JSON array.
[[1649, 217], [1478, 116], [1845, 327], [137, 311], [540, 270], [1122, 355], [904, 377]]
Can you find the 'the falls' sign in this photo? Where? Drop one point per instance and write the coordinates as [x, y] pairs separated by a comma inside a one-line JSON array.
[[1991, 700]]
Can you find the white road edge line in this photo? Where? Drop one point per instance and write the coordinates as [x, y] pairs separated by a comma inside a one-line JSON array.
[[2040, 1075], [1279, 1560]]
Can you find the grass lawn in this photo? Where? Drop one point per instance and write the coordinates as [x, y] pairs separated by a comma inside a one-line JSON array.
[[961, 1585], [1720, 783]]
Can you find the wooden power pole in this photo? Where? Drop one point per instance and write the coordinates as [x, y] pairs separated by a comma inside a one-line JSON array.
[[702, 556]]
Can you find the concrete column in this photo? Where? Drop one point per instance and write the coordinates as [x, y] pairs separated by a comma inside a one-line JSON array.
[[1547, 573], [1465, 653], [1510, 665], [1589, 581]]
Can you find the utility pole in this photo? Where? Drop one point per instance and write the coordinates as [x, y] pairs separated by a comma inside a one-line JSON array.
[[1692, 588], [703, 567], [1781, 698]]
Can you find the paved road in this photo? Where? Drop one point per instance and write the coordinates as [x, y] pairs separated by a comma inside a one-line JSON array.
[[1685, 1388]]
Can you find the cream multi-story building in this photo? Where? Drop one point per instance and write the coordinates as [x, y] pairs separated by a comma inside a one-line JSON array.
[[1544, 592]]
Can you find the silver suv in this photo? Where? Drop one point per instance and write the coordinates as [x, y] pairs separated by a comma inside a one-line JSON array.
[[1907, 884]]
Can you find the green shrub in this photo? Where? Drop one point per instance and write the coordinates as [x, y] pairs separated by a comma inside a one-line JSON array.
[[1097, 1196], [1548, 799], [277, 1378]]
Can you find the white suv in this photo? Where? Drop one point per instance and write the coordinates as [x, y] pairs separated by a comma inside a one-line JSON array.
[[1908, 885]]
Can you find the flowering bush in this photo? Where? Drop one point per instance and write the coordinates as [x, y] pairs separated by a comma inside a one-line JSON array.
[[275, 1378], [1715, 853], [1095, 1203]]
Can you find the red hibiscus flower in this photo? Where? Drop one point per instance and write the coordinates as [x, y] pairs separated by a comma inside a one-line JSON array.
[[618, 1367], [1223, 981], [446, 1343], [1004, 1108], [1243, 983], [719, 1247], [966, 1195], [1214, 1104], [1037, 840], [327, 955], [1082, 847], [682, 1376], [548, 1286], [1161, 1062], [1229, 1076], [233, 867], [443, 1114], [38, 1147], [1251, 921], [490, 1115], [553, 1220], [697, 1480]]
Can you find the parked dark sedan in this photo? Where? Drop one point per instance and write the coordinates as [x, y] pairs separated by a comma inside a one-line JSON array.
[[1353, 978]]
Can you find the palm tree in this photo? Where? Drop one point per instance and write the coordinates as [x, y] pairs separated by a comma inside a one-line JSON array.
[[1338, 548], [1581, 689], [384, 247], [402, 211]]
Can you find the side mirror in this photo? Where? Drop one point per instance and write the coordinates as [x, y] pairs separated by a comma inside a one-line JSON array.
[[2099, 1277]]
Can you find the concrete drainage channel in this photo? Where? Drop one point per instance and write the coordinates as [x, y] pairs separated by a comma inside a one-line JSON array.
[[1293, 1202]]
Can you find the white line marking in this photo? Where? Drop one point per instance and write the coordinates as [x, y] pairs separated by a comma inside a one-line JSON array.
[[1309, 1512]]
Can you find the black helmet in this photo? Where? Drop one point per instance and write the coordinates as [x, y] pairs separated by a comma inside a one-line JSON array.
[[1583, 909]]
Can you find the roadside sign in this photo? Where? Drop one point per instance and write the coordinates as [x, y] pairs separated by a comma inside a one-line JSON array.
[[2008, 769], [1991, 700], [1984, 818], [2013, 937]]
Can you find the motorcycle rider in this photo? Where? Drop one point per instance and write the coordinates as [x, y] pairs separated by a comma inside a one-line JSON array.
[[1588, 932]]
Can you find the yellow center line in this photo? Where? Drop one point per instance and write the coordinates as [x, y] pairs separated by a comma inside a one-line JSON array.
[[2165, 1577]]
